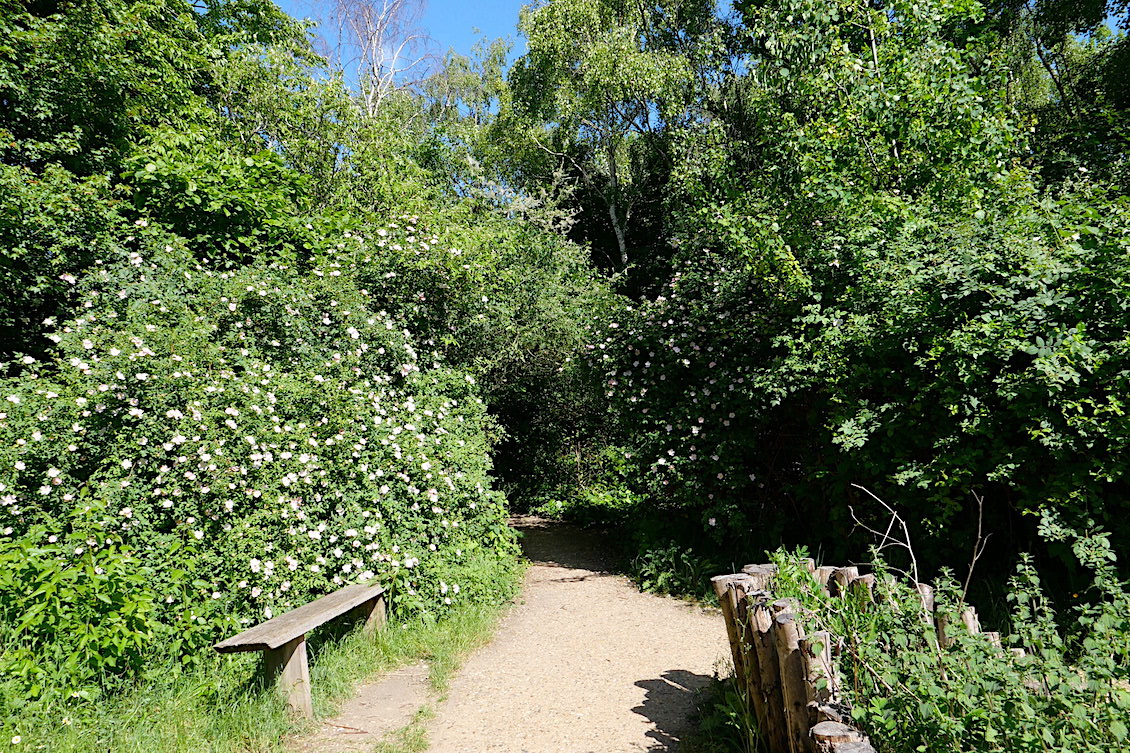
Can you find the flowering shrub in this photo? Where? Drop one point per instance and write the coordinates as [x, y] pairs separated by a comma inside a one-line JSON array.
[[983, 354], [676, 372], [244, 440]]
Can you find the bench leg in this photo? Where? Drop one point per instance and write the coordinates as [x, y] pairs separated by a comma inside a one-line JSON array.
[[288, 662], [376, 616]]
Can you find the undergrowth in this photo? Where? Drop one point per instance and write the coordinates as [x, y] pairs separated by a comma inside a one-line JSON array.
[[223, 705]]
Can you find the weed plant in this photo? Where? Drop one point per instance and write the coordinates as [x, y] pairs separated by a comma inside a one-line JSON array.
[[1069, 691]]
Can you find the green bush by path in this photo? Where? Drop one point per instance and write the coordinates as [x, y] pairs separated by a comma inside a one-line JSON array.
[[221, 706], [259, 345], [245, 440], [1070, 691]]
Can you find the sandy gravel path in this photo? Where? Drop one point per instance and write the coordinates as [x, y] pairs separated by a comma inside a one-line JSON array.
[[584, 663]]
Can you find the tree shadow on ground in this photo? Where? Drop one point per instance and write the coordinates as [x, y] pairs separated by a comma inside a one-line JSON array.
[[554, 544], [670, 706]]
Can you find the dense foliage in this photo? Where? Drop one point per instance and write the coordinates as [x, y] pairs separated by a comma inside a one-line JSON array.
[[694, 269], [1045, 688], [865, 258], [256, 344]]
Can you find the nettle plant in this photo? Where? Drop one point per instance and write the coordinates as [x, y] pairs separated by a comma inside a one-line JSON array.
[[246, 438], [1069, 691]]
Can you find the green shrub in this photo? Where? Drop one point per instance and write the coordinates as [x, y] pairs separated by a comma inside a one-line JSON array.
[[256, 436], [1070, 691], [77, 610]]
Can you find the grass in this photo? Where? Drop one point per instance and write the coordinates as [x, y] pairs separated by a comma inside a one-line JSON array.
[[724, 722], [412, 738], [223, 706]]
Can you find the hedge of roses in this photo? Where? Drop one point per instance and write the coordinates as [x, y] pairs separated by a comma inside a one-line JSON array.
[[214, 445]]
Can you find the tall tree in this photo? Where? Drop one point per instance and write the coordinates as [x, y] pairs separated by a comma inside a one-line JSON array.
[[596, 73], [382, 42]]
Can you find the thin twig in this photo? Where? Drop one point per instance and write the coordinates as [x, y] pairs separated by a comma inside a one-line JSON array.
[[887, 538], [979, 545]]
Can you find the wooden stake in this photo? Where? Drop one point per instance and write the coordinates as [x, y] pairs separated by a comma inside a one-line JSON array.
[[853, 747], [747, 604], [829, 733], [822, 575], [863, 587], [794, 691], [816, 650], [837, 586], [785, 605], [942, 621], [763, 576], [721, 584], [926, 596], [969, 619], [776, 729]]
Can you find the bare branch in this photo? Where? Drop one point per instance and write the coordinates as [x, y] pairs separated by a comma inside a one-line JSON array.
[[380, 41], [979, 545], [887, 540]]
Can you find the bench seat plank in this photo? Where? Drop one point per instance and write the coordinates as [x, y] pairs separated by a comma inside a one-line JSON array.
[[280, 630]]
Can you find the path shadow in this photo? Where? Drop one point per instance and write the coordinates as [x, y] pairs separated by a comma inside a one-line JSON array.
[[554, 544], [670, 706]]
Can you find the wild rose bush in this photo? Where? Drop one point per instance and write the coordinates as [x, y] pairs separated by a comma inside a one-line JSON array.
[[254, 437], [675, 370]]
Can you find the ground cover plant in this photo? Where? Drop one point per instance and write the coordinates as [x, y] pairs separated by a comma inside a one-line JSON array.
[[1068, 691], [223, 705]]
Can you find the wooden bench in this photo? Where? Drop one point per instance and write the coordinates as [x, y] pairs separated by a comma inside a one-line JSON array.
[[283, 638]]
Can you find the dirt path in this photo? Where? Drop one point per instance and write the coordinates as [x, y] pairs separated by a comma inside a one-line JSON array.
[[584, 663]]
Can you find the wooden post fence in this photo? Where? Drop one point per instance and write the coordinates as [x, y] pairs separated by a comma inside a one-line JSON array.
[[789, 673]]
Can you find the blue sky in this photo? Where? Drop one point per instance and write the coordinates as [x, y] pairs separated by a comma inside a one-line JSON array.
[[449, 22]]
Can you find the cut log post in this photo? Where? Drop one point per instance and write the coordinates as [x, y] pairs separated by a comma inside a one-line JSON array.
[[740, 603], [926, 596], [747, 603], [819, 670], [969, 619], [775, 731], [993, 637], [785, 605], [837, 585], [863, 588], [721, 584], [763, 576], [942, 621], [288, 664], [794, 689], [827, 734], [822, 575], [831, 712], [852, 747]]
